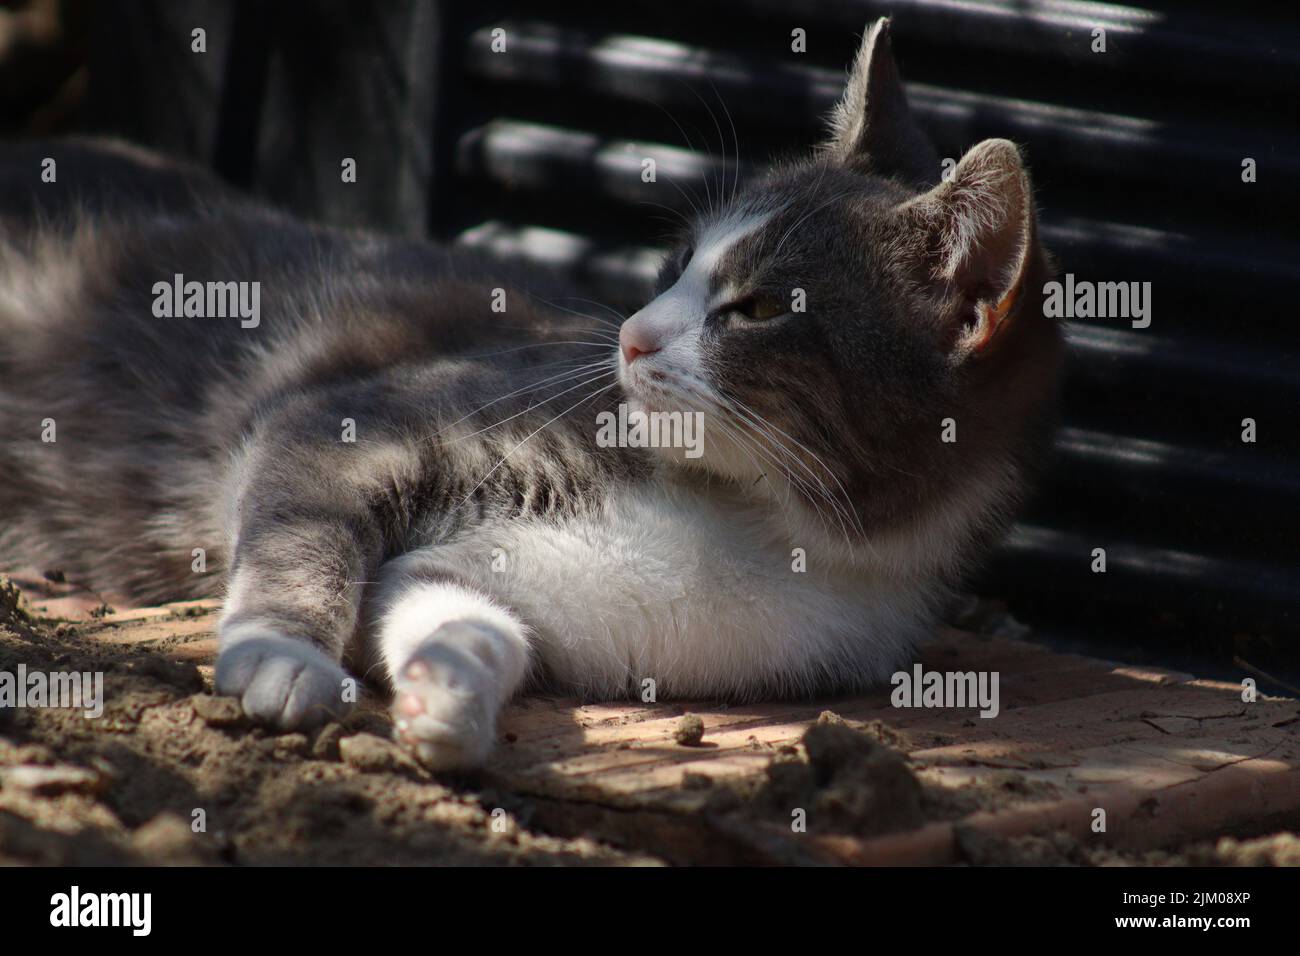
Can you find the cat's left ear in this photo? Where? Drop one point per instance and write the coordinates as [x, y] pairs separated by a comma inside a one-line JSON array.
[[872, 127], [975, 237]]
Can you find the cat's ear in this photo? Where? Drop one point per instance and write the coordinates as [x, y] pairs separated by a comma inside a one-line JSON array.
[[872, 126], [977, 235]]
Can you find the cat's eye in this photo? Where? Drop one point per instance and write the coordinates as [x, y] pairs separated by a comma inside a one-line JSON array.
[[755, 308]]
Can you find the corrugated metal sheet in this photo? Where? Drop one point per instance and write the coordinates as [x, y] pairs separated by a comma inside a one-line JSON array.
[[1137, 155]]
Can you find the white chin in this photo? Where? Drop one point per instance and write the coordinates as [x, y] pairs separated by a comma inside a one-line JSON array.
[[641, 396]]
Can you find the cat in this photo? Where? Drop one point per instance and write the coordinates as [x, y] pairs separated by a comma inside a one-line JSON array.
[[396, 469]]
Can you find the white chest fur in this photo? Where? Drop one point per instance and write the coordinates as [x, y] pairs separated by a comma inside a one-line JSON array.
[[698, 593]]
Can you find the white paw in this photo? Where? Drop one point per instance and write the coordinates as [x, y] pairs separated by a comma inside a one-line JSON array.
[[446, 697], [282, 682]]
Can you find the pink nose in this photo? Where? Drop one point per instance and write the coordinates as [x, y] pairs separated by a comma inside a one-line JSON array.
[[634, 340]]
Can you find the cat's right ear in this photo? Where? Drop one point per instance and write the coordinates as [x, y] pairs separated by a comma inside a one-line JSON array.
[[872, 127], [973, 240]]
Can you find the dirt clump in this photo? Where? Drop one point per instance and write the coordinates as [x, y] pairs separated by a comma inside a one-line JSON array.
[[1278, 849], [218, 711], [849, 782], [690, 731], [978, 848]]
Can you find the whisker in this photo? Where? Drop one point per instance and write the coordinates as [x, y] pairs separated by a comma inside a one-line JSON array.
[[581, 315], [557, 379], [600, 305], [534, 345], [676, 212], [722, 143], [532, 434], [847, 501], [739, 439], [735, 161], [691, 201], [525, 411], [811, 491]]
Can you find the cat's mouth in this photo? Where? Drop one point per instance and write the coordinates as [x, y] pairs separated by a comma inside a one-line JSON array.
[[652, 389]]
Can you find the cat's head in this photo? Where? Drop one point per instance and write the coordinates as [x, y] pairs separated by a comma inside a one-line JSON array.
[[864, 330]]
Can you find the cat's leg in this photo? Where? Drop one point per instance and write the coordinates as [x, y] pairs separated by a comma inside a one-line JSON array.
[[305, 543], [454, 656]]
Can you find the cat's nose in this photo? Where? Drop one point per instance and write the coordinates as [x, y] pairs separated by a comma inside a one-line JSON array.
[[636, 340]]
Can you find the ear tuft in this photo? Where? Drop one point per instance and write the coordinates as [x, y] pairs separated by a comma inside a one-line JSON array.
[[982, 237], [872, 126]]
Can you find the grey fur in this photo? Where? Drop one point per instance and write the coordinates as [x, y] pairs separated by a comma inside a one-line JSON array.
[[175, 434], [872, 126]]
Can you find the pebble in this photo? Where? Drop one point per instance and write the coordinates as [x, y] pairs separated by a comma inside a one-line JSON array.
[[326, 744], [51, 781], [374, 754], [217, 711], [690, 731]]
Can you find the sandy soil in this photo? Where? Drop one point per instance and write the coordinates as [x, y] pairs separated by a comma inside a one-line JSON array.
[[171, 774]]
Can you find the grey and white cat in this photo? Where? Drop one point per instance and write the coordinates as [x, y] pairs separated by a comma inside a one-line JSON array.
[[475, 537]]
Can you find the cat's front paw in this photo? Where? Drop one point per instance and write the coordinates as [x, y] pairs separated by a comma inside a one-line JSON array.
[[445, 700], [282, 682]]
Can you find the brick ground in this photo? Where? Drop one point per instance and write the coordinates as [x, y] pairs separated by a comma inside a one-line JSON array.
[[1169, 757]]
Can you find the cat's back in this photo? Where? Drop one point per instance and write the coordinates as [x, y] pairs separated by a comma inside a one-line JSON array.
[[122, 386], [44, 182], [128, 267]]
